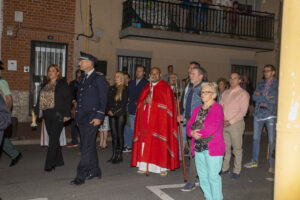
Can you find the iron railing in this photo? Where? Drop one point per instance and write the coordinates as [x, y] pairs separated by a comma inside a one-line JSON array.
[[196, 19]]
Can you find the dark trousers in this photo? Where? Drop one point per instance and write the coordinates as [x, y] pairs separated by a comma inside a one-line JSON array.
[[88, 164], [74, 132], [117, 124], [54, 126]]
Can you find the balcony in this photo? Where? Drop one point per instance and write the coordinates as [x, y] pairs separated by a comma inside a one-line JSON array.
[[207, 25]]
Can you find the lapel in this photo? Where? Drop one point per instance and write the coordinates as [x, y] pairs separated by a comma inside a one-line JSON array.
[[89, 79]]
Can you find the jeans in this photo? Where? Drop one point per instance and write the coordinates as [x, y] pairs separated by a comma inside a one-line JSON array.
[[74, 132], [128, 132], [208, 168], [258, 125], [9, 148]]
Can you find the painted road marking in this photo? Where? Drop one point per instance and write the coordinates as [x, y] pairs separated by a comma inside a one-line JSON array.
[[157, 189], [44, 198]]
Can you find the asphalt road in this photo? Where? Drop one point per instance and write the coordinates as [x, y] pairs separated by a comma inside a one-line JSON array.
[[27, 180]]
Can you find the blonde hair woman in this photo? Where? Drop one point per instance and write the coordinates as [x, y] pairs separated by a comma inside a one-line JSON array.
[[117, 102], [55, 102]]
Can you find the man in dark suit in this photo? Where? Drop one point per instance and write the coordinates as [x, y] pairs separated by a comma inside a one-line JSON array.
[[90, 111]]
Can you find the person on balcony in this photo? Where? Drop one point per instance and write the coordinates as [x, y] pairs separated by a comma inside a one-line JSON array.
[[234, 17]]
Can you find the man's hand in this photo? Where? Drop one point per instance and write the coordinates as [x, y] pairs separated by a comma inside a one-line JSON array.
[[95, 122], [180, 118], [66, 119], [110, 113], [149, 100], [196, 135], [258, 93], [226, 123]]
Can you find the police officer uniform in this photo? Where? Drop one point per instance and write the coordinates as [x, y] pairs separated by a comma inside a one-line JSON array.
[[91, 104]]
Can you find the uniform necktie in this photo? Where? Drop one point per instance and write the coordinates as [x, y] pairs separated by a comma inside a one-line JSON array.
[[84, 78]]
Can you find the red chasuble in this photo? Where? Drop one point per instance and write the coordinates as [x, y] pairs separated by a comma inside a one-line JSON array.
[[156, 127]]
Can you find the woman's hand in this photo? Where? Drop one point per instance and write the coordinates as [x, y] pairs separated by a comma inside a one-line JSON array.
[[110, 113], [196, 135], [66, 119]]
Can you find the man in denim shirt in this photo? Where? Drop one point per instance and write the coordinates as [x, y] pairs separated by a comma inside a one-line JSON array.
[[192, 99], [266, 98]]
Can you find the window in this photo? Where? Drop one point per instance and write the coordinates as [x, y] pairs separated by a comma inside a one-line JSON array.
[[129, 63], [250, 71], [42, 55]]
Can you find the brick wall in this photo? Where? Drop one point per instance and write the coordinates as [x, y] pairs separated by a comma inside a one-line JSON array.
[[40, 19]]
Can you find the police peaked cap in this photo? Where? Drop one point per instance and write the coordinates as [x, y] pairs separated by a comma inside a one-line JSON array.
[[86, 56]]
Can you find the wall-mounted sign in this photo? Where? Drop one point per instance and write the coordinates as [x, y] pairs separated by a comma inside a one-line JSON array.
[[12, 65]]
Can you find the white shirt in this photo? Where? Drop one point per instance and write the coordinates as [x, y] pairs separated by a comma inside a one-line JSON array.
[[90, 72]]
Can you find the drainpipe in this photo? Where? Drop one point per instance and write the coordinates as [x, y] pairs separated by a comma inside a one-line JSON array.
[[287, 166]]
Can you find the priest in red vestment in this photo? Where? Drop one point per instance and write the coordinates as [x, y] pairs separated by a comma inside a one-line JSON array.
[[155, 140]]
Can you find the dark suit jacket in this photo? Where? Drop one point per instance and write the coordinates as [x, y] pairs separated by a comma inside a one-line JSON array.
[[134, 94]]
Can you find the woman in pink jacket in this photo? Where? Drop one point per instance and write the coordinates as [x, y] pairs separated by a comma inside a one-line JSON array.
[[208, 146]]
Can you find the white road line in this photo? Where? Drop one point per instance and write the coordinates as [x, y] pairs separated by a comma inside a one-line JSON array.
[[157, 189], [43, 198]]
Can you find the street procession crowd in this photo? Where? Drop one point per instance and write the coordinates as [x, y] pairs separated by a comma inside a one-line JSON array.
[[154, 119]]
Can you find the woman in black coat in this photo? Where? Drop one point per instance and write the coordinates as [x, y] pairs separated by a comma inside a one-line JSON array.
[[55, 102], [117, 108]]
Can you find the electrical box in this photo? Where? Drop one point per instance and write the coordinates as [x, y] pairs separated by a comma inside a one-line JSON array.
[[26, 68], [12, 65], [19, 16]]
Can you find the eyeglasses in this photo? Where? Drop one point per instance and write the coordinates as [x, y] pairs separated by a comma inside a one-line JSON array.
[[206, 92]]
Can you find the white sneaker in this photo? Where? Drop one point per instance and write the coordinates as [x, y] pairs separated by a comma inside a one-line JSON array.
[[271, 170], [251, 164]]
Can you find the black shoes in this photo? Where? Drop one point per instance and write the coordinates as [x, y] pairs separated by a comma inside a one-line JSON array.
[[77, 182], [15, 160], [93, 176], [50, 169]]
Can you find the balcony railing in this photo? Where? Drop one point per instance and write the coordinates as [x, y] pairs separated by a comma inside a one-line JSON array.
[[196, 19]]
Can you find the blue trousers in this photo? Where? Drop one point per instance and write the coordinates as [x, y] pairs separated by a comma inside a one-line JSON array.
[[208, 168], [128, 131], [9, 148], [89, 158], [258, 125]]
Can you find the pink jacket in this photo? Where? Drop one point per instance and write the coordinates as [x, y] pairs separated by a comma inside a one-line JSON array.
[[212, 126]]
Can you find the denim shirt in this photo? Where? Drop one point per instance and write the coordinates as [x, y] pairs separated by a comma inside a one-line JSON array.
[[196, 99], [271, 109]]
